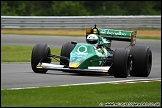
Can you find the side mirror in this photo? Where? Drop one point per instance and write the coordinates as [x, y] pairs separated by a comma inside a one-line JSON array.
[[74, 42]]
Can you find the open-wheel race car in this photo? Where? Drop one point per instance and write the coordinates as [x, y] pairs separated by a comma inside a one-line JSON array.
[[96, 55]]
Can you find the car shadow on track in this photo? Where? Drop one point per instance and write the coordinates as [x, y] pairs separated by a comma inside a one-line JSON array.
[[85, 74], [82, 74]]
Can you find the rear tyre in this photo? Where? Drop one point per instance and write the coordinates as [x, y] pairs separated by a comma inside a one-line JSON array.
[[141, 61], [66, 49], [121, 63], [40, 52]]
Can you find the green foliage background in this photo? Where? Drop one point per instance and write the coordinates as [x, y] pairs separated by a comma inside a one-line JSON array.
[[79, 8]]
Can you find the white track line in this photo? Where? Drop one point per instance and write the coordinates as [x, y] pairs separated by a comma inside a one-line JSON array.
[[111, 82]]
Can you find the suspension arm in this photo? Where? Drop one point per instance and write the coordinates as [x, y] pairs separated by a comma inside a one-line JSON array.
[[56, 56]]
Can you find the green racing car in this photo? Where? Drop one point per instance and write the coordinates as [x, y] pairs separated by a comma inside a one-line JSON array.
[[96, 55]]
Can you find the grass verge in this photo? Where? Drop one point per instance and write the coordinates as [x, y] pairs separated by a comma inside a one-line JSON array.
[[149, 37], [16, 53], [84, 95]]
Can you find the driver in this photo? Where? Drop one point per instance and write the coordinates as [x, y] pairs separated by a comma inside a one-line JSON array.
[[94, 39]]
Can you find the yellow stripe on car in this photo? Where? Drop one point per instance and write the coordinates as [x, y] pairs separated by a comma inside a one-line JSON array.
[[73, 65], [105, 70], [39, 67]]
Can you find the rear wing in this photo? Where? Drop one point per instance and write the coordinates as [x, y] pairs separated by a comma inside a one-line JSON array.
[[111, 34]]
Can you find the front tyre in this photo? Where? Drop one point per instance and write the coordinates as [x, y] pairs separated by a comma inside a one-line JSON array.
[[141, 61], [40, 52], [66, 49], [121, 63]]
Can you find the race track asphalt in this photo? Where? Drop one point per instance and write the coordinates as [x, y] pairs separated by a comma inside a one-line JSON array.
[[19, 75]]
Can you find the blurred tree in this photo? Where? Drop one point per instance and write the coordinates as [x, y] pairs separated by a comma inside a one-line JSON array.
[[79, 8], [68, 8], [40, 8], [133, 7], [7, 8], [150, 8], [23, 9], [114, 8], [94, 7]]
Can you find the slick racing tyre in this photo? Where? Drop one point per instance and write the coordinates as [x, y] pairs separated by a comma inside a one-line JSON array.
[[121, 63], [40, 53], [66, 49], [141, 61]]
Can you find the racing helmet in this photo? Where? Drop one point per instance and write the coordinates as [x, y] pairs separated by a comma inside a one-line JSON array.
[[92, 39]]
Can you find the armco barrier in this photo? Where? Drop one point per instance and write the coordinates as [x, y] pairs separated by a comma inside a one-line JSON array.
[[79, 22]]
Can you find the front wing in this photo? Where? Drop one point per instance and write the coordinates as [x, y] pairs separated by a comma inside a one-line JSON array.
[[95, 69]]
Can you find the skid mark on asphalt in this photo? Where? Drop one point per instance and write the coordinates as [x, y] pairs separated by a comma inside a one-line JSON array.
[[108, 82]]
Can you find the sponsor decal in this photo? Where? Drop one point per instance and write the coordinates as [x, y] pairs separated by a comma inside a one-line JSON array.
[[82, 50], [113, 33]]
